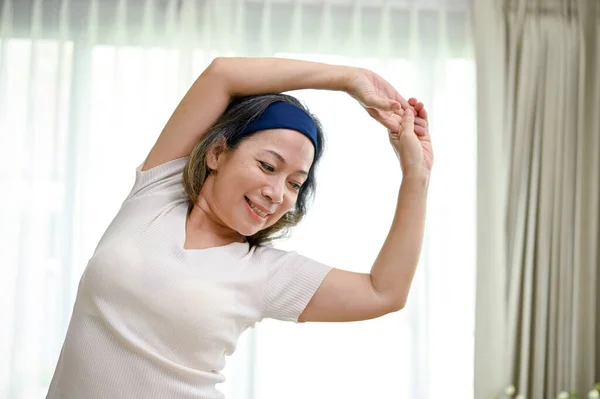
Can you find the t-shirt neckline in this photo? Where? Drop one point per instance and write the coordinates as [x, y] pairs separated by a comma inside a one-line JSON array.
[[233, 247]]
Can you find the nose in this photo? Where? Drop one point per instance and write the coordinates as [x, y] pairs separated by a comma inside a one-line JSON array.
[[274, 192]]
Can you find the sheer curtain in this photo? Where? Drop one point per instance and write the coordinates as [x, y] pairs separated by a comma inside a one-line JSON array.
[[85, 88]]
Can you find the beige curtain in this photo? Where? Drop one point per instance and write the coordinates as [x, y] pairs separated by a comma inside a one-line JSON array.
[[537, 316]]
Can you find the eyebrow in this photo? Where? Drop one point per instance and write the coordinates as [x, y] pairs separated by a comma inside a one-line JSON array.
[[283, 161]]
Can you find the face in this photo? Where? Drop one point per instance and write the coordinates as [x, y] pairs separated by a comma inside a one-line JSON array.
[[252, 187]]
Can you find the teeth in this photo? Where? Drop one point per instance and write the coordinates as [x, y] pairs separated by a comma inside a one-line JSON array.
[[258, 211]]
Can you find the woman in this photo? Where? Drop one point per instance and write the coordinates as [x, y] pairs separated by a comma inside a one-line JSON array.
[[184, 268]]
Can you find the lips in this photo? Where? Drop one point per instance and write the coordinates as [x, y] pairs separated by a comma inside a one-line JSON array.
[[260, 211]]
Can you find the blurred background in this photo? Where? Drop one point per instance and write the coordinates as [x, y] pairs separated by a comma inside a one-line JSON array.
[[506, 294]]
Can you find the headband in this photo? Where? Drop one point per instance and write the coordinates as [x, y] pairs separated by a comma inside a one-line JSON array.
[[281, 115]]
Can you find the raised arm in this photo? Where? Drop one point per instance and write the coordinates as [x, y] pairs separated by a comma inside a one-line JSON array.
[[350, 296], [226, 78], [210, 94]]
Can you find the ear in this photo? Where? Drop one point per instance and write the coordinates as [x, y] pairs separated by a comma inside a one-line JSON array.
[[216, 153]]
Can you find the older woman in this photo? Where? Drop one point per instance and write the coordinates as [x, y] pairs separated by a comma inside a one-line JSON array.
[[186, 266]]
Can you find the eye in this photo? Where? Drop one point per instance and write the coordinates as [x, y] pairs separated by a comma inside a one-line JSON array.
[[296, 186], [267, 167]]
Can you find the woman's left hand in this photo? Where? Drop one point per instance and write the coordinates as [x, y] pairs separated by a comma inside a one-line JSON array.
[[411, 140]]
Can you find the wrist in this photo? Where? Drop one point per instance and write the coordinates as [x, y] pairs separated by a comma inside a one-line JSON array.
[[416, 177], [348, 76]]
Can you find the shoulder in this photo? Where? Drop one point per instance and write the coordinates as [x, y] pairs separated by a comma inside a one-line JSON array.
[[163, 179], [283, 265], [269, 255], [291, 281]]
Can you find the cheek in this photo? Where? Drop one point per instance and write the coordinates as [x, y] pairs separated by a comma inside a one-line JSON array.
[[287, 206], [290, 202], [234, 179], [225, 195], [234, 183]]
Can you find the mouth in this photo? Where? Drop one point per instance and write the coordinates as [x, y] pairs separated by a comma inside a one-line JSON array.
[[258, 211]]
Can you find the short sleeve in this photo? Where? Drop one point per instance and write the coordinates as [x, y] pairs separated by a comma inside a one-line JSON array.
[[292, 280], [165, 179]]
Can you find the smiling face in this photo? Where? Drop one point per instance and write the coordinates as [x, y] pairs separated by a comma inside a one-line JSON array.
[[252, 187]]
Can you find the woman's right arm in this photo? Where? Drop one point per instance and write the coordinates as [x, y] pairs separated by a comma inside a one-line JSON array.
[[226, 78]]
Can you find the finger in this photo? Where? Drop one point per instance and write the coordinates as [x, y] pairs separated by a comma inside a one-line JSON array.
[[397, 120], [382, 118], [390, 124], [423, 113], [408, 122], [420, 121], [402, 101], [420, 130], [383, 104], [390, 105], [412, 101], [419, 106]]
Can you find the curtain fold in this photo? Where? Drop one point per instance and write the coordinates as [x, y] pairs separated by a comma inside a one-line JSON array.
[[549, 311], [85, 88], [493, 148]]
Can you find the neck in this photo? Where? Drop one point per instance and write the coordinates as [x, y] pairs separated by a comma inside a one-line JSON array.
[[204, 230]]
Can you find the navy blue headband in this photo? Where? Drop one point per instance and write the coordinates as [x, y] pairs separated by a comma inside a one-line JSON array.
[[281, 115]]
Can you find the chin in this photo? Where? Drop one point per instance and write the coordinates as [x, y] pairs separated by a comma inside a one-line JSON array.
[[247, 231]]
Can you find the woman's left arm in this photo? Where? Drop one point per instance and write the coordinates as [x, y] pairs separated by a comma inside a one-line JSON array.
[[393, 270], [350, 296]]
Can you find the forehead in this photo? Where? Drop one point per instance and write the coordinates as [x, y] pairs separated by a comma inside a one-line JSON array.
[[296, 148]]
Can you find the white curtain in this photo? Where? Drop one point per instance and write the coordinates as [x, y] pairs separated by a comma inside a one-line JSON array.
[[85, 88]]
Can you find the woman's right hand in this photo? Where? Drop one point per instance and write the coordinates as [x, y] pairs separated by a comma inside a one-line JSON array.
[[378, 97]]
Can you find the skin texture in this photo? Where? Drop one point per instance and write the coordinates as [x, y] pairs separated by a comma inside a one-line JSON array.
[[253, 171]]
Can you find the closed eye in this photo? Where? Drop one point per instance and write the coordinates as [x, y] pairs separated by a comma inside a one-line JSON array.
[[267, 167]]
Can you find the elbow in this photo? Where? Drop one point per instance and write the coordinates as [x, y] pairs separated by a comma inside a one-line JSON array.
[[398, 305], [391, 302], [392, 305], [219, 73], [218, 62], [218, 66]]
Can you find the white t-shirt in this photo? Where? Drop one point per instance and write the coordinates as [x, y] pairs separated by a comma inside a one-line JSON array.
[[154, 320]]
